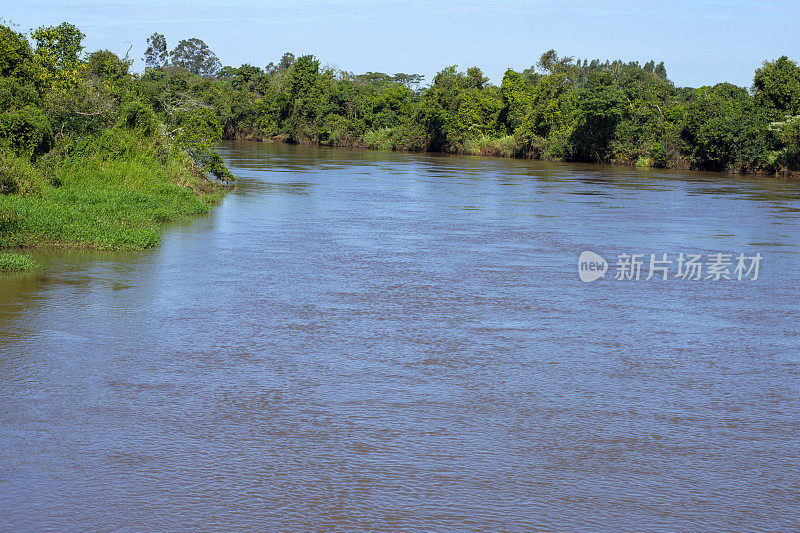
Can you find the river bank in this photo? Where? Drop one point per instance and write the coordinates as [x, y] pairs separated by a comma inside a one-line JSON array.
[[100, 199]]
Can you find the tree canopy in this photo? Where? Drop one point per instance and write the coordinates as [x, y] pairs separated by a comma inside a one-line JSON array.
[[156, 55], [195, 56]]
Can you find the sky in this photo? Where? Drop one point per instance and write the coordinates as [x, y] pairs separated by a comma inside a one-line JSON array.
[[702, 42]]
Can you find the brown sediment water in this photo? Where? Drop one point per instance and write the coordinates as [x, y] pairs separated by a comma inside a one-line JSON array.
[[362, 340]]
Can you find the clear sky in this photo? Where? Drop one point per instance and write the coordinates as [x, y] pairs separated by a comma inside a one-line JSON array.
[[700, 41]]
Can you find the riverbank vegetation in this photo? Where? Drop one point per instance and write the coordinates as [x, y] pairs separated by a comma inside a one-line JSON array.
[[559, 109], [13, 262], [88, 156], [93, 155]]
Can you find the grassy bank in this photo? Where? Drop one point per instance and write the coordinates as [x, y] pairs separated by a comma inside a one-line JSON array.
[[112, 192]]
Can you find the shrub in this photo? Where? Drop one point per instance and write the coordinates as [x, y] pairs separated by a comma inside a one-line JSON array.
[[381, 139], [530, 145], [486, 145], [13, 95], [9, 220], [18, 176], [658, 155], [140, 117], [27, 131], [413, 137]]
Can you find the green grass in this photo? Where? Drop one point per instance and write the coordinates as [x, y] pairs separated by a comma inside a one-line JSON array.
[[11, 262], [113, 194], [383, 139], [487, 145]]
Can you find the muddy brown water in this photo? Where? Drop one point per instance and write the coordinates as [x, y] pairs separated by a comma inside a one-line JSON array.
[[357, 340]]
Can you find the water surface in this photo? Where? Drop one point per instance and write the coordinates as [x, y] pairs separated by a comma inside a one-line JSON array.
[[364, 340]]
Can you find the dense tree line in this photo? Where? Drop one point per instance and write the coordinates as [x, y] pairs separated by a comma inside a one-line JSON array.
[[559, 109]]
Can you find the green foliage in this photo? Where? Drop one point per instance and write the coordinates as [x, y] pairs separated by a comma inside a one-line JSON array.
[[196, 133], [487, 145], [115, 191], [18, 176], [107, 66], [595, 121], [658, 155], [156, 55], [195, 56], [26, 131], [382, 139], [85, 157], [723, 129], [305, 95], [14, 95], [58, 46], [13, 262], [140, 117], [458, 107], [9, 220], [16, 56], [787, 155], [777, 87]]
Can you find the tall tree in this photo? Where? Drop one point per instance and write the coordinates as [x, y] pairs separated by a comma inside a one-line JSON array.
[[287, 60], [195, 56], [156, 55]]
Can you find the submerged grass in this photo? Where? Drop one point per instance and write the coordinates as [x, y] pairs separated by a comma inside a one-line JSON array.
[[112, 193], [12, 262]]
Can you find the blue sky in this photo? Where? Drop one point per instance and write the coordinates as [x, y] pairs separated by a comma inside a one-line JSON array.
[[700, 41]]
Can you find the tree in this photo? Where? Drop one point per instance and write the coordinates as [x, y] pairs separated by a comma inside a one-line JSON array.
[[106, 65], [195, 56], [723, 130], [411, 81], [305, 92], [245, 77], [550, 62], [375, 79], [595, 121], [457, 108], [475, 77], [777, 87], [156, 55], [197, 131], [287, 60], [58, 46], [15, 52]]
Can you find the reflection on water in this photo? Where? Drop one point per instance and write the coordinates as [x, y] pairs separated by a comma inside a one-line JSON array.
[[366, 340]]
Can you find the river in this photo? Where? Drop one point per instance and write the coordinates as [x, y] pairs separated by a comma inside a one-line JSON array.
[[360, 340]]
